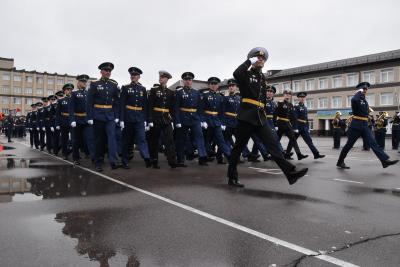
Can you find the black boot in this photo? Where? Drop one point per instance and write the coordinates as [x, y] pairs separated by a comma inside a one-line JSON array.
[[76, 162], [147, 162], [387, 163], [203, 161], [181, 165], [233, 178], [342, 165], [301, 156], [155, 165], [319, 156], [114, 166], [294, 175]]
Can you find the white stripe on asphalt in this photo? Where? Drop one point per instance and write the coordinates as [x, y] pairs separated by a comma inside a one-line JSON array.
[[264, 169], [348, 181], [218, 219], [397, 188]]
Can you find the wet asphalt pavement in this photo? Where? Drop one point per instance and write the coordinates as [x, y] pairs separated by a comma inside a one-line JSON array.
[[55, 214]]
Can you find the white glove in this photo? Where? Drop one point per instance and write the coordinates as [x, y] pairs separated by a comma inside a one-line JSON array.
[[296, 131], [73, 124], [43, 129], [253, 60], [360, 90], [178, 125], [276, 128], [37, 129], [172, 124], [151, 124], [146, 128], [52, 129], [90, 122], [145, 124], [204, 125], [58, 127], [116, 120], [223, 127], [122, 124]]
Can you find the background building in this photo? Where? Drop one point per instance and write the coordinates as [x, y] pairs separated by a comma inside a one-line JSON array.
[[20, 88], [331, 85]]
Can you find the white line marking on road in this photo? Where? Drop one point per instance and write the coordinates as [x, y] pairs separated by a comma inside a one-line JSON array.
[[348, 181], [239, 227], [264, 169], [397, 188]]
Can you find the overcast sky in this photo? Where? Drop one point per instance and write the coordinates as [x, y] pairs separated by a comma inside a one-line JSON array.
[[207, 37]]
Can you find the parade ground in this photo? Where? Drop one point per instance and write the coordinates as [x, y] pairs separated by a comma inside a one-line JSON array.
[[65, 215]]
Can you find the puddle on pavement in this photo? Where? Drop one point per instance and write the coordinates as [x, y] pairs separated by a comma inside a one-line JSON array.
[[33, 179]]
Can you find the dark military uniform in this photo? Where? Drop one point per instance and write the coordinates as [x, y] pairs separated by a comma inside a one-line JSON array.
[[284, 115], [34, 126], [134, 115], [337, 125], [380, 132], [301, 119], [188, 114], [42, 129], [9, 125], [29, 126], [102, 110], [161, 106], [359, 127], [396, 132], [62, 122], [47, 122], [252, 119]]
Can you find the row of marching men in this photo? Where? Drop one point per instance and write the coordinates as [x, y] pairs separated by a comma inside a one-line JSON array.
[[105, 117], [378, 125], [13, 126]]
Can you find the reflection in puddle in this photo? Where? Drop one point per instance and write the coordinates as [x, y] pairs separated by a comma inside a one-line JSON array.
[[24, 177], [88, 227], [6, 148]]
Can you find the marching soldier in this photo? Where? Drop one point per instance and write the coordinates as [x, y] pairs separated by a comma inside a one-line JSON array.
[[29, 125], [9, 125], [47, 117], [161, 106], [270, 108], [53, 129], [57, 129], [42, 130], [380, 129], [231, 108], [337, 125], [396, 131], [252, 117], [78, 120], [188, 114], [34, 125], [133, 116], [301, 119], [102, 113], [284, 115], [359, 127], [62, 118], [213, 119]]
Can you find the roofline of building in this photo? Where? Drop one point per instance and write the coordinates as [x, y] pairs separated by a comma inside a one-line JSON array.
[[43, 73], [8, 59], [337, 64]]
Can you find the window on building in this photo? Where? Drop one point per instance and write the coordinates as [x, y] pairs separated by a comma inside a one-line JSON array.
[[28, 79], [309, 85], [6, 76], [386, 98], [5, 111], [309, 103], [348, 101], [387, 75], [336, 102], [322, 83], [28, 101], [322, 102], [352, 79], [50, 80], [336, 81], [17, 78], [70, 81], [17, 90], [39, 79], [370, 99], [286, 86], [295, 101], [4, 100], [39, 91], [60, 81], [28, 91], [50, 92], [369, 76], [5, 90], [296, 86], [17, 100]]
